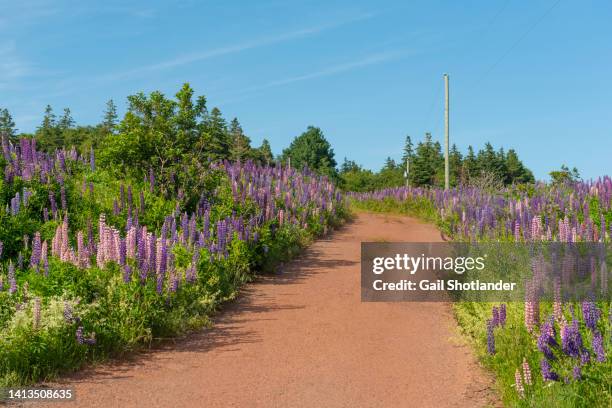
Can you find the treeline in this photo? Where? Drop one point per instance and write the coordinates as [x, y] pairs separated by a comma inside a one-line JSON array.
[[176, 137], [423, 165]]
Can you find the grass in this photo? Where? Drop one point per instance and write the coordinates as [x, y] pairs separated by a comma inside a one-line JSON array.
[[513, 342]]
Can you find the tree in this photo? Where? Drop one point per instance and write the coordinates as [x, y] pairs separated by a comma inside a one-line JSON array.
[[7, 125], [408, 151], [516, 172], [217, 139], [109, 122], [564, 175], [313, 150], [241, 145], [66, 121], [48, 133], [470, 166], [455, 164], [264, 152], [428, 163]]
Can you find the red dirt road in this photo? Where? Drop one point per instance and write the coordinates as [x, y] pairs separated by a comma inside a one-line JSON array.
[[304, 339]]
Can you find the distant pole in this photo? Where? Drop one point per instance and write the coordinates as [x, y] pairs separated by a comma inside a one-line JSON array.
[[446, 142], [407, 171]]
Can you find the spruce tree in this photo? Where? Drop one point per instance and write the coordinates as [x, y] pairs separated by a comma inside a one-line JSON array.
[[7, 125]]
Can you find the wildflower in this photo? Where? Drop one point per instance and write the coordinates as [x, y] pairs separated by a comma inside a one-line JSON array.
[[577, 373], [591, 314], [547, 373], [519, 384], [526, 372], [502, 314], [571, 340], [490, 338], [598, 347], [495, 319]]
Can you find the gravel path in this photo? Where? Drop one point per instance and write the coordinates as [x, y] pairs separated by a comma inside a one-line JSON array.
[[304, 339]]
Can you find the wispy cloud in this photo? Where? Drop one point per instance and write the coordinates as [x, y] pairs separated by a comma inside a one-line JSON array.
[[372, 59], [190, 58], [11, 66]]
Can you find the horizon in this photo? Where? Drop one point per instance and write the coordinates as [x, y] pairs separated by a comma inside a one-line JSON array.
[[358, 72]]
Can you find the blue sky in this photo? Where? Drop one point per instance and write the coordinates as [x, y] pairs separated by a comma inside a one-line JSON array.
[[534, 76]]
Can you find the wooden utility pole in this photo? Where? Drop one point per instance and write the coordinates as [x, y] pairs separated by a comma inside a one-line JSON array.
[[407, 171], [446, 142]]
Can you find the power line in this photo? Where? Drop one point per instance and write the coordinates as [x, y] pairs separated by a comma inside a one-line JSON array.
[[516, 43]]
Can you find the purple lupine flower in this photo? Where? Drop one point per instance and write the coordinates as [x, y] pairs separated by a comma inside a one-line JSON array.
[[36, 250], [591, 314], [598, 347], [547, 373], [63, 198], [127, 273], [495, 319], [1, 248], [577, 373], [571, 340], [490, 338], [585, 357], [502, 315], [53, 203]]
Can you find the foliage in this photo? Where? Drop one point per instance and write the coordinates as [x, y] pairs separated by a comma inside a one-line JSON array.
[[312, 150]]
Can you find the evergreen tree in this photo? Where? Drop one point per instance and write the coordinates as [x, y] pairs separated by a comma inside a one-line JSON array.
[[408, 151], [48, 120], [218, 144], [66, 121], [455, 164], [7, 125], [470, 166], [313, 150], [264, 152], [241, 145], [109, 123]]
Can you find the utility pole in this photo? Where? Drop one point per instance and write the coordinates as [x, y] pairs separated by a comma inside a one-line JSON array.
[[407, 171], [446, 142]]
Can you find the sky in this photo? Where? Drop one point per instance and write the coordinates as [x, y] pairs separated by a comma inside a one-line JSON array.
[[531, 75]]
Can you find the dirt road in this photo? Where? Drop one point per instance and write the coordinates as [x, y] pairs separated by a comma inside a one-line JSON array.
[[304, 339]]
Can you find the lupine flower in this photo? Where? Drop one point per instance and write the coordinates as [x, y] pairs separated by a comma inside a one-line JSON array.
[[502, 315], [490, 338], [571, 340], [547, 373], [127, 273], [495, 319], [526, 372], [591, 314], [519, 384], [577, 373], [598, 347]]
